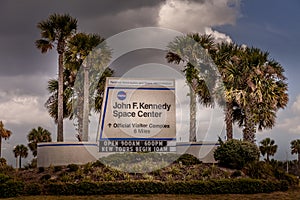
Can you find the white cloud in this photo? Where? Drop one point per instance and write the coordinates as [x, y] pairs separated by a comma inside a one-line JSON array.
[[290, 124], [296, 105], [24, 110], [219, 37], [191, 16]]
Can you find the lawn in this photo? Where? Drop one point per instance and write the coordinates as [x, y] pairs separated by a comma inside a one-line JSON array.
[[289, 195]]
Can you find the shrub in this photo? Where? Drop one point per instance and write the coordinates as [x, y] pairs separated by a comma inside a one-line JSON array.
[[4, 178], [45, 177], [188, 160], [6, 169], [236, 173], [259, 170], [11, 189], [235, 153], [98, 164], [41, 169], [224, 186], [72, 167], [88, 168], [57, 168], [33, 189]]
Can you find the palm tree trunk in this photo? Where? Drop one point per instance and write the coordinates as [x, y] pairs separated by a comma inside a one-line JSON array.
[[228, 120], [298, 158], [86, 93], [80, 117], [20, 164], [16, 162], [249, 129], [268, 159], [60, 111], [192, 116]]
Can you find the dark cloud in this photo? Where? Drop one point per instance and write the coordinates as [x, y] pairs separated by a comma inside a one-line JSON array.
[[18, 30]]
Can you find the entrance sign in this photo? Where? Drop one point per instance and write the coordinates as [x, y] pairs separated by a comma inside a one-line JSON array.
[[138, 115]]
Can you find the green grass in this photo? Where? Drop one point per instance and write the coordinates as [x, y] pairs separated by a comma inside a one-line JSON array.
[[289, 195]]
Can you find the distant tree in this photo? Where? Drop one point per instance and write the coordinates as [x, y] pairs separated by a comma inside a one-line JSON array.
[[268, 148], [2, 162], [21, 151], [4, 133], [295, 146], [55, 31], [35, 136]]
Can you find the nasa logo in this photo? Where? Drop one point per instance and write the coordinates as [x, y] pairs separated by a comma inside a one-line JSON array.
[[121, 95]]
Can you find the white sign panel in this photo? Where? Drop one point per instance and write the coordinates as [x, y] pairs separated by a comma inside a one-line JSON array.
[[138, 115]]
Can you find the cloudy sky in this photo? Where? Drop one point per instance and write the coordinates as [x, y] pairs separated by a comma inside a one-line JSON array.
[[271, 25]]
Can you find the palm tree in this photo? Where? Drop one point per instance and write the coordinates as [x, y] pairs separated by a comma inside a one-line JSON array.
[[52, 102], [268, 148], [263, 92], [295, 146], [56, 30], [35, 136], [227, 61], [22, 152], [193, 50], [4, 133], [90, 52]]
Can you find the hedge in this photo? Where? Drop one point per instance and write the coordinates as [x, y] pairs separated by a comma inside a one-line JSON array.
[[226, 186], [11, 188]]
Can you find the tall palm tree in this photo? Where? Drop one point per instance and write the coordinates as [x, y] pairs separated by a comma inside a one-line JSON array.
[[21, 151], [227, 61], [263, 92], [90, 52], [55, 31], [295, 146], [268, 148], [35, 136], [193, 51], [4, 133]]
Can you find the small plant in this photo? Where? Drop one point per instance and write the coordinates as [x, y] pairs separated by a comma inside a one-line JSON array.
[[236, 173], [45, 177], [174, 170], [206, 173], [72, 167], [127, 176], [188, 160], [57, 168], [97, 164], [41, 169], [157, 172], [108, 177], [4, 178], [169, 178], [88, 168], [66, 178], [148, 177]]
